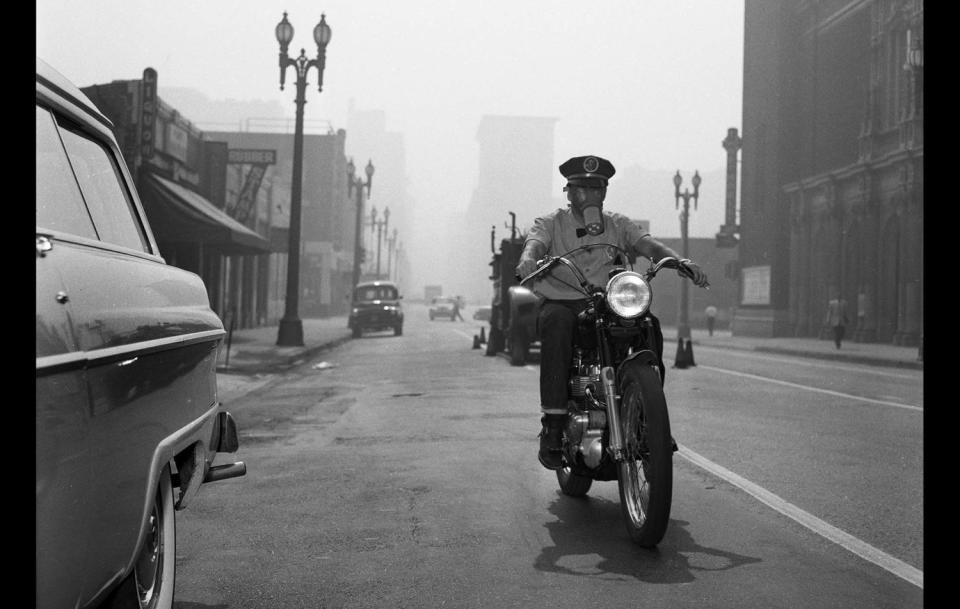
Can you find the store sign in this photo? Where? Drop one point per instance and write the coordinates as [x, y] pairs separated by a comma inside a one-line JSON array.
[[756, 285], [176, 142], [239, 156], [148, 113]]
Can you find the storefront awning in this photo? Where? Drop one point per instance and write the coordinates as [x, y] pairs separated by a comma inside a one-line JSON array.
[[177, 215]]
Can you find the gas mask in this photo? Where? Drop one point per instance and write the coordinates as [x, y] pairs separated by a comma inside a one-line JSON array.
[[590, 205]]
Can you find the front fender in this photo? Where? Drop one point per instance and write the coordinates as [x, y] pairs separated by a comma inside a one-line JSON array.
[[646, 357]]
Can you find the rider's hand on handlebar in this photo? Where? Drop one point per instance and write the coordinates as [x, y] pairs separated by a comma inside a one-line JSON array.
[[525, 267], [695, 273]]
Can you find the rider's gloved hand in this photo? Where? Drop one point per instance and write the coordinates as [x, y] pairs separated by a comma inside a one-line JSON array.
[[696, 274], [525, 267]]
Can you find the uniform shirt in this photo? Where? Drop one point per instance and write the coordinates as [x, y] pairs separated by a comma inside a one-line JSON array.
[[558, 232]]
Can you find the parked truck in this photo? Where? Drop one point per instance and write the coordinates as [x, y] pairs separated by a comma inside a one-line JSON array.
[[513, 318]]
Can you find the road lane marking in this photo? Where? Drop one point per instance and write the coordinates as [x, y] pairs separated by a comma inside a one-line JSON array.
[[799, 360], [463, 334], [814, 389], [860, 548]]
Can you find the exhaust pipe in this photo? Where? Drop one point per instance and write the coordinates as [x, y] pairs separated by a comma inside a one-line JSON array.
[[223, 472]]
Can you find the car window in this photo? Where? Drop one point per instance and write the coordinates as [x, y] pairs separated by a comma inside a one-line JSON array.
[[377, 293], [59, 203], [103, 190]]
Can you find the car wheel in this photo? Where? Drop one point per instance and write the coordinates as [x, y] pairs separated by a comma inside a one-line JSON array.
[[398, 330], [151, 583], [431, 317], [357, 331]]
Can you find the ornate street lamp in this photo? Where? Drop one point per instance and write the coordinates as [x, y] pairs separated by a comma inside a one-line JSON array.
[[355, 182], [683, 324], [291, 328]]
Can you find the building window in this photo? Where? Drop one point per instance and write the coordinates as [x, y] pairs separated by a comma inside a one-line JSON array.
[[892, 89]]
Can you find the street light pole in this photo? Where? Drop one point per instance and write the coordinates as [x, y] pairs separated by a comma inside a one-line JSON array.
[[391, 243], [357, 183], [291, 327], [382, 226], [683, 324]]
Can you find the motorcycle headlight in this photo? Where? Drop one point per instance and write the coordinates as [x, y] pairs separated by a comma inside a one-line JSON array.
[[628, 295]]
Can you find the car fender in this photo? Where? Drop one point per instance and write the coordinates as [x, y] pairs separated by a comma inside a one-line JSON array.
[[524, 307]]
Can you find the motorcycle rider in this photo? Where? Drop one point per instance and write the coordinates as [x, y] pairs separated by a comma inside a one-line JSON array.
[[583, 221]]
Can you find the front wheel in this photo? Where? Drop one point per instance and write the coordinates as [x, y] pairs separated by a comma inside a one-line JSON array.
[[645, 477], [398, 330], [151, 583]]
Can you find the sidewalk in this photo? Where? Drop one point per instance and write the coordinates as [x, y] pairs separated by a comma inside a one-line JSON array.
[[254, 350], [874, 354]]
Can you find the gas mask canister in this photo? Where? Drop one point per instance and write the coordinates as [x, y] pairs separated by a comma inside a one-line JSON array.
[[593, 219], [591, 206]]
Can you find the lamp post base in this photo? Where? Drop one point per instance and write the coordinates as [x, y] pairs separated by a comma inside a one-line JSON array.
[[290, 333]]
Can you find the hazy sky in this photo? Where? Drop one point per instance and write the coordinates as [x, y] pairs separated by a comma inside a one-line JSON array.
[[649, 83]]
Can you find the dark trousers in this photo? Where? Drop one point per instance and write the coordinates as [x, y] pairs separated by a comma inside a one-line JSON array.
[[838, 335], [710, 321], [556, 323]]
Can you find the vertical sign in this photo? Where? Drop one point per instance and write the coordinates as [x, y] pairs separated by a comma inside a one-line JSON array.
[[148, 113], [248, 194], [258, 161]]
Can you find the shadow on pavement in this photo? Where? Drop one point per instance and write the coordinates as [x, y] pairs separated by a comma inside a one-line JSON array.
[[590, 539]]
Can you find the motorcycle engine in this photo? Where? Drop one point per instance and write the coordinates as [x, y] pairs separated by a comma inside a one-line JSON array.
[[585, 434]]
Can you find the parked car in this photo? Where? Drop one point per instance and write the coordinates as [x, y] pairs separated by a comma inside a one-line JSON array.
[[442, 306], [127, 418], [376, 306], [483, 313]]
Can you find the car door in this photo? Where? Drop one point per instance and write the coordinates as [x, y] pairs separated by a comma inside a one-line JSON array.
[[64, 490]]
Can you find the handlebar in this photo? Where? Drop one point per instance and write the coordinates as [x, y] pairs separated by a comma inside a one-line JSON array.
[[547, 262]]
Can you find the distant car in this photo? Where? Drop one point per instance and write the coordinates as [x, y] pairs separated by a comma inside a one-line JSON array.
[[442, 306], [483, 313], [376, 306], [127, 417]]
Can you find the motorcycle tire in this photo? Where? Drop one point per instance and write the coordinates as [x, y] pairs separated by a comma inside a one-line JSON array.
[[645, 477], [571, 484]]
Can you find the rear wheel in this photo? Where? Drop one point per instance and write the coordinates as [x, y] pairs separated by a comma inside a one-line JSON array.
[[645, 478], [571, 484], [398, 330], [151, 583]]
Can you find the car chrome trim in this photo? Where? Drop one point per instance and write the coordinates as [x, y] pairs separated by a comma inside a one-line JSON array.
[[80, 359]]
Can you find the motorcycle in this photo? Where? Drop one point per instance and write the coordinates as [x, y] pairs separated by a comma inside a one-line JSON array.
[[617, 426]]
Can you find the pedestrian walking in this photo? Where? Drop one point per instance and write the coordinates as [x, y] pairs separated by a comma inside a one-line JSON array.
[[456, 310], [711, 312], [837, 318]]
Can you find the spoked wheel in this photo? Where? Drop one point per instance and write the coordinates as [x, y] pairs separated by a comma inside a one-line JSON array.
[[571, 484], [645, 478], [151, 583]]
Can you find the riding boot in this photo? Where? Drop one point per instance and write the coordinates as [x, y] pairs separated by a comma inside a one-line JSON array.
[[551, 441]]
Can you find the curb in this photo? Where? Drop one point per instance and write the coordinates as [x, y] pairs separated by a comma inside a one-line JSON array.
[[259, 365]]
